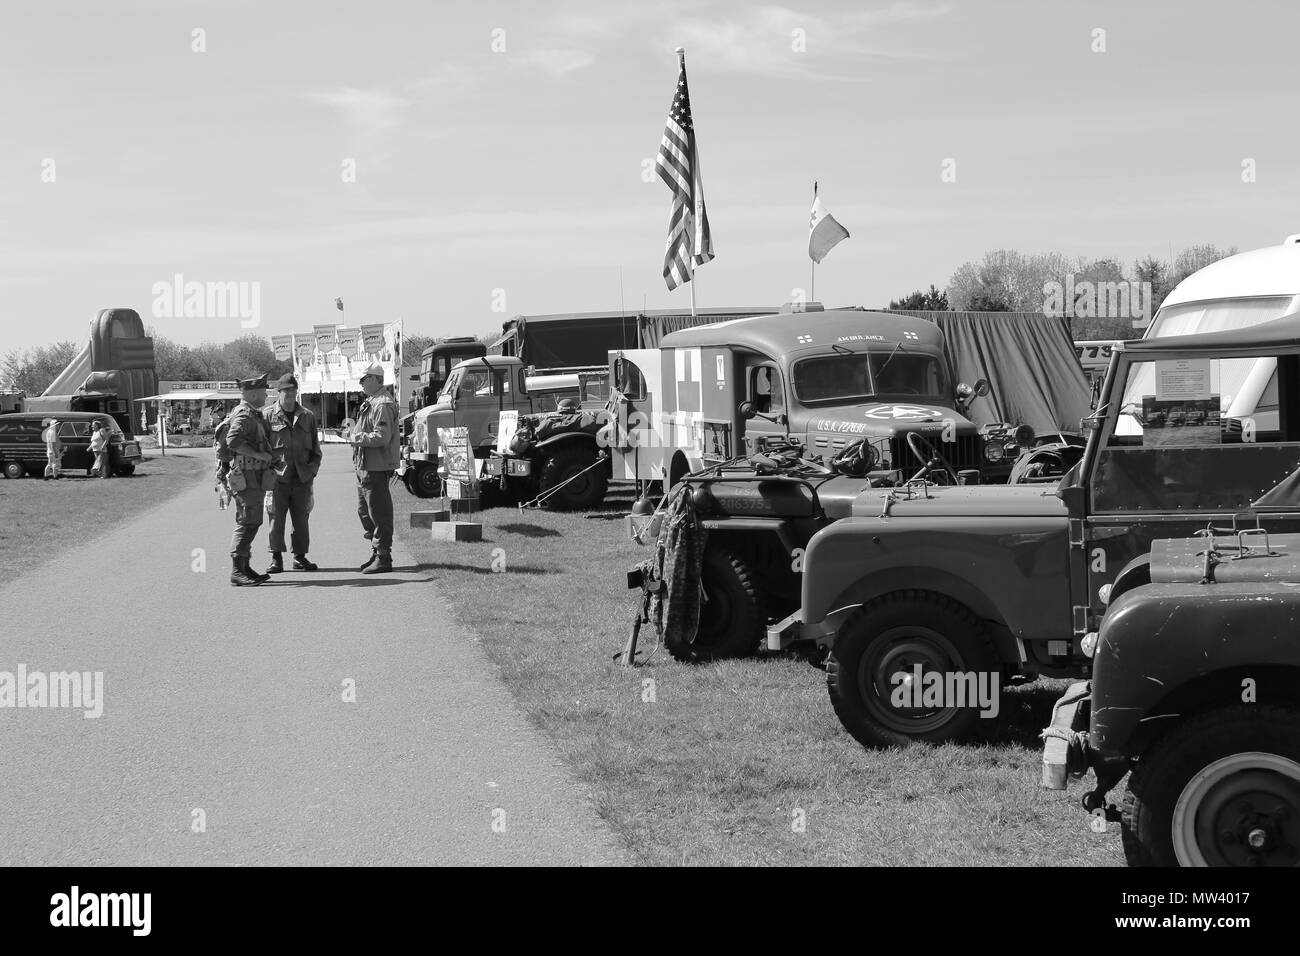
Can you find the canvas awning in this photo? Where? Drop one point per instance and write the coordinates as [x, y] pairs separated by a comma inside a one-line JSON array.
[[192, 396]]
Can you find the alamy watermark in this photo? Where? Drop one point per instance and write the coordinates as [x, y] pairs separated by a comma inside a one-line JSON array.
[[919, 689], [1123, 299], [69, 690], [178, 299]]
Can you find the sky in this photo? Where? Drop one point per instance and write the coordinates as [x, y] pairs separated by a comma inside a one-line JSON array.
[[502, 151]]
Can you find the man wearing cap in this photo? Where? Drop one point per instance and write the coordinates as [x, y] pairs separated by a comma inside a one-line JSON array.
[[295, 446], [251, 476], [53, 450], [374, 441]]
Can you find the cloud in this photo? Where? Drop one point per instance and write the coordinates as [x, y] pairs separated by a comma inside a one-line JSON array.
[[370, 117], [554, 62]]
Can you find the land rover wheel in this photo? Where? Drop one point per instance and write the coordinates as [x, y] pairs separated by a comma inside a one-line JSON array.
[[14, 469], [581, 473], [732, 619], [423, 481], [872, 674], [1218, 789]]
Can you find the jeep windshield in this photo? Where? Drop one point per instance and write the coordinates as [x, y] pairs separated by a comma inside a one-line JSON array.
[[849, 378], [1230, 376]]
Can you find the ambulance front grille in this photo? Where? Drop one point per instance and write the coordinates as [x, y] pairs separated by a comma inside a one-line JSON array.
[[966, 452]]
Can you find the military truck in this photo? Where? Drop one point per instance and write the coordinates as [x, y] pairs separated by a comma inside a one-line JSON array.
[[475, 394], [1195, 696], [816, 408]]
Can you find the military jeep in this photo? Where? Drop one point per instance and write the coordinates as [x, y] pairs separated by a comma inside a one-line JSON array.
[[1188, 430], [1195, 695]]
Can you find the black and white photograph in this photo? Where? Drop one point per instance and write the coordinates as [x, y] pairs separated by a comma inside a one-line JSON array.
[[640, 435]]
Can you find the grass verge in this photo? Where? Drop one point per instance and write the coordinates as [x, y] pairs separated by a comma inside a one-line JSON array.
[[39, 519], [721, 764]]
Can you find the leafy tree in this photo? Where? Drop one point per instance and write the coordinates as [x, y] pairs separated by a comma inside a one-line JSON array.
[[918, 301], [32, 370]]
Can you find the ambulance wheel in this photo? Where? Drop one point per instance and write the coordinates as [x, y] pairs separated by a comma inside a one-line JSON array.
[[424, 482], [894, 635], [1221, 788], [585, 491], [124, 471], [732, 616], [14, 469]]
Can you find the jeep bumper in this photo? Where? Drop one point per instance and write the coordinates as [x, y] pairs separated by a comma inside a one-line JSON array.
[[792, 630], [512, 467], [1064, 738]]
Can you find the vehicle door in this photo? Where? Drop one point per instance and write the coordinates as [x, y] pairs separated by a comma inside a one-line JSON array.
[[1180, 451], [76, 444], [764, 389], [477, 399]]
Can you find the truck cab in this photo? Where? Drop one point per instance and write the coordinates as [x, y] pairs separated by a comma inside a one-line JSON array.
[[473, 397], [819, 379], [436, 364], [1190, 430]]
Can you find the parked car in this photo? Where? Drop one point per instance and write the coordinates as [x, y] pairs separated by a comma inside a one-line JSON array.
[[1195, 696], [22, 449]]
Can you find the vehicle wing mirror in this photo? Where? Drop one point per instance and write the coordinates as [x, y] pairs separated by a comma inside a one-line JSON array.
[[747, 410], [982, 388]]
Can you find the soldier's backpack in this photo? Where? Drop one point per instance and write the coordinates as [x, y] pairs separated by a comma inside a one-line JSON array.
[[221, 447]]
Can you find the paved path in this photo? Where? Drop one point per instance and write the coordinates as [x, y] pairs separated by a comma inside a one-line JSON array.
[[229, 700]]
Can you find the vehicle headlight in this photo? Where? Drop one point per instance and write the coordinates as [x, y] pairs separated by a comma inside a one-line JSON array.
[[994, 451], [1088, 644]]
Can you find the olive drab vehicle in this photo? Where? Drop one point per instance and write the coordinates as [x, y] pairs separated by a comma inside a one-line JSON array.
[[1194, 424], [779, 423], [1195, 696]]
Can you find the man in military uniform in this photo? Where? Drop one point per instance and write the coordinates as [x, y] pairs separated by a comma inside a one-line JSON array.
[[251, 476], [295, 446], [374, 441]]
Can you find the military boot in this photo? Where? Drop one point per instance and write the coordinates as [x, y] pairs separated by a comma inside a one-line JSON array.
[[239, 576], [257, 576], [383, 563], [374, 556], [277, 563]]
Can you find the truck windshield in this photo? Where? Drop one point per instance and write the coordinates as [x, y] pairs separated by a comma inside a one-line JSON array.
[[846, 378]]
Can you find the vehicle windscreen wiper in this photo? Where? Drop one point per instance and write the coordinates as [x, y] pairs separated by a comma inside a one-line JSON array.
[[897, 348]]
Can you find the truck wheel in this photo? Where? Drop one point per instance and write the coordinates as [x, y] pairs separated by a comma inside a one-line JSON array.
[[14, 469], [1219, 789], [732, 619], [892, 636], [580, 494], [424, 482], [124, 471]]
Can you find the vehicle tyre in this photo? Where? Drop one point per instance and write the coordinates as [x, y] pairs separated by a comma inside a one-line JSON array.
[[124, 471], [732, 617], [580, 494], [423, 482], [14, 469], [1219, 789], [892, 635]]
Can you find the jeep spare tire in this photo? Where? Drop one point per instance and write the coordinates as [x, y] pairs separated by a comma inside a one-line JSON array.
[[732, 617], [581, 472], [1218, 789], [871, 673]]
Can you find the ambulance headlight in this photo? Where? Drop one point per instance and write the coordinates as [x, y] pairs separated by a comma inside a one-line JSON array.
[[994, 451]]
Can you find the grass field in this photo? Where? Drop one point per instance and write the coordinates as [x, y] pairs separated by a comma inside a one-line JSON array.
[[40, 518], [719, 764]]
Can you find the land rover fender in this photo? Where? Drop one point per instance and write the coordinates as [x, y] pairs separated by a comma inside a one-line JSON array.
[[1012, 573], [1229, 632]]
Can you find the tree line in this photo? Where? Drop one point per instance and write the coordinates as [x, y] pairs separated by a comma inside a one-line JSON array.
[[1005, 280], [32, 370]]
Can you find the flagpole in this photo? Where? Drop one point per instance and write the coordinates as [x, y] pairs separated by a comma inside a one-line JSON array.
[[812, 292]]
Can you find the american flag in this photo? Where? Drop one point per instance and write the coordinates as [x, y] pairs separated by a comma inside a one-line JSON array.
[[679, 167]]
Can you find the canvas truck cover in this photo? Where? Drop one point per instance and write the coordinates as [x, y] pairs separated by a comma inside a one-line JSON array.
[[576, 339], [1030, 362]]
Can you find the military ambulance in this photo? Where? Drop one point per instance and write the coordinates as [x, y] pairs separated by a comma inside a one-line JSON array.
[[823, 379]]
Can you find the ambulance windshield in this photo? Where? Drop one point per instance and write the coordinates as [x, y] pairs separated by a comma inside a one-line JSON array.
[[858, 376]]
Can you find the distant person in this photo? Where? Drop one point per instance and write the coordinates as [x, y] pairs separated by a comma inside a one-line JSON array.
[[100, 447], [374, 441], [53, 451], [296, 447]]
